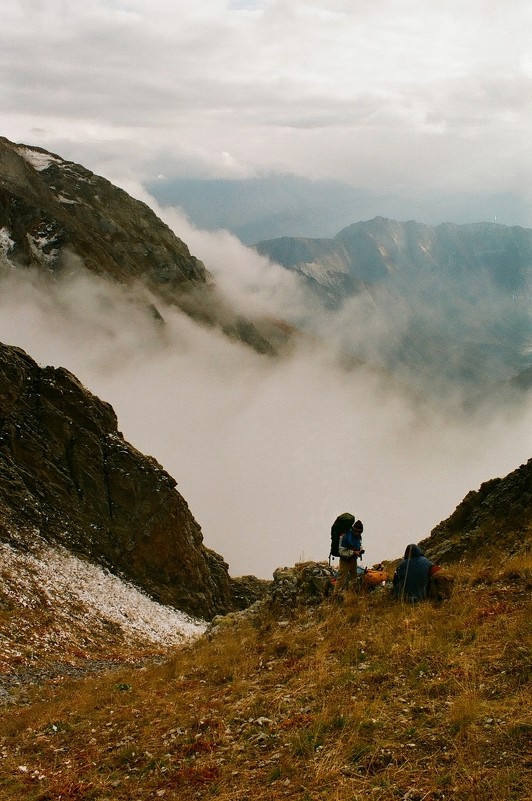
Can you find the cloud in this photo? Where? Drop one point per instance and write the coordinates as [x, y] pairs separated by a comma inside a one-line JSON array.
[[382, 95], [266, 452], [402, 327]]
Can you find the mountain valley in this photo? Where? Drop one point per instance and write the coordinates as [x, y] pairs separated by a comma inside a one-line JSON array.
[[133, 664]]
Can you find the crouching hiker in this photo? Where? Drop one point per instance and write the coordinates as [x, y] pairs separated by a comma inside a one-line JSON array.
[[350, 551], [411, 579]]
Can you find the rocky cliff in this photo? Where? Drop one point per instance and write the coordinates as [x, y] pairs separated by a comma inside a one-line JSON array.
[[495, 520], [59, 217], [67, 476]]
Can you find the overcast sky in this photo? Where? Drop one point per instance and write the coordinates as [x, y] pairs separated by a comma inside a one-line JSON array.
[[400, 96]]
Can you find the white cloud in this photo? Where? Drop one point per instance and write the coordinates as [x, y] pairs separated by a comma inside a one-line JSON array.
[[266, 453], [326, 89]]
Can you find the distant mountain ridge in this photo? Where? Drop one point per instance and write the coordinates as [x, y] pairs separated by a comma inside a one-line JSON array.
[[276, 205], [458, 295], [369, 252]]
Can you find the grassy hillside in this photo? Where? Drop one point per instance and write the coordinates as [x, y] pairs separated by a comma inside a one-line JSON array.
[[365, 700]]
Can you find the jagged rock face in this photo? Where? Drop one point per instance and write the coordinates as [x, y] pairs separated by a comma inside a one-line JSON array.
[[68, 476], [496, 519], [59, 217], [51, 208]]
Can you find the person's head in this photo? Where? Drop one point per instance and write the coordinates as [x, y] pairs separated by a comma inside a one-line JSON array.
[[412, 551], [358, 528]]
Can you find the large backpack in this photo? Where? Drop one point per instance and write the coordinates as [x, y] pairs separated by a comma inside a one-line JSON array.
[[373, 577], [342, 524], [441, 584]]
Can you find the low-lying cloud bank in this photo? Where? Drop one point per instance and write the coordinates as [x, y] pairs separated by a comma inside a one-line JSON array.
[[266, 452]]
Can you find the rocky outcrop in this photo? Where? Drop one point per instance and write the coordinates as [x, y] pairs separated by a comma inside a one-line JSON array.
[[494, 520], [58, 217], [247, 590], [306, 584], [68, 476], [51, 209]]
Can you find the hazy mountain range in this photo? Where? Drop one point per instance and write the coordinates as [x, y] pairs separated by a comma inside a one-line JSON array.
[[455, 298], [276, 205], [447, 303]]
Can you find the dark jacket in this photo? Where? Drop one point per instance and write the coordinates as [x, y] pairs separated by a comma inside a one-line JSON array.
[[411, 579]]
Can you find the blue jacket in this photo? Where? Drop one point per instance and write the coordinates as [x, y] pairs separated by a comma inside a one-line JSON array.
[[351, 540], [411, 579]]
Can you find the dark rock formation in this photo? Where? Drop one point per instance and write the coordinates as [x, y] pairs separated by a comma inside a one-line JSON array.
[[494, 520], [68, 476], [247, 590], [59, 217]]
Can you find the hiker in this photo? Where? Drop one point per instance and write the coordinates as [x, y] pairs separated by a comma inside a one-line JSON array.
[[342, 524], [411, 579], [350, 550]]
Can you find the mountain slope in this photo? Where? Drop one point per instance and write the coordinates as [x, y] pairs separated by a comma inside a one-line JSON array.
[[496, 519], [372, 699], [51, 208], [68, 477], [296, 697], [58, 217]]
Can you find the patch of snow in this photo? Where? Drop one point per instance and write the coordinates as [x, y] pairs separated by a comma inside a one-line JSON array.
[[63, 578], [67, 200], [6, 243], [38, 244], [39, 161], [323, 274]]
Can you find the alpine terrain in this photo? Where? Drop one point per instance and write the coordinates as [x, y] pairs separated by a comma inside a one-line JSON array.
[[132, 665]]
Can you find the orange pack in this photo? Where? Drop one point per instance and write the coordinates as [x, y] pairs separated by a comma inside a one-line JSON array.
[[372, 578]]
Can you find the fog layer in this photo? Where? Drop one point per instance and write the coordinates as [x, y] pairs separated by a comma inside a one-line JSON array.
[[266, 452]]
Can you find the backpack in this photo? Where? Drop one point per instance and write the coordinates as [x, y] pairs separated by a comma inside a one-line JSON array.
[[441, 584], [374, 577], [342, 524]]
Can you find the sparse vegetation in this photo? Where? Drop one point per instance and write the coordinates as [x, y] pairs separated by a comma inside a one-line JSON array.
[[369, 699]]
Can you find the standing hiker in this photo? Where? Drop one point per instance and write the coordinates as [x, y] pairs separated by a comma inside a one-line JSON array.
[[350, 550], [411, 579]]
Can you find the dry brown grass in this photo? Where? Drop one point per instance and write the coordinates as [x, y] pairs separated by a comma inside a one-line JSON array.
[[366, 700]]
